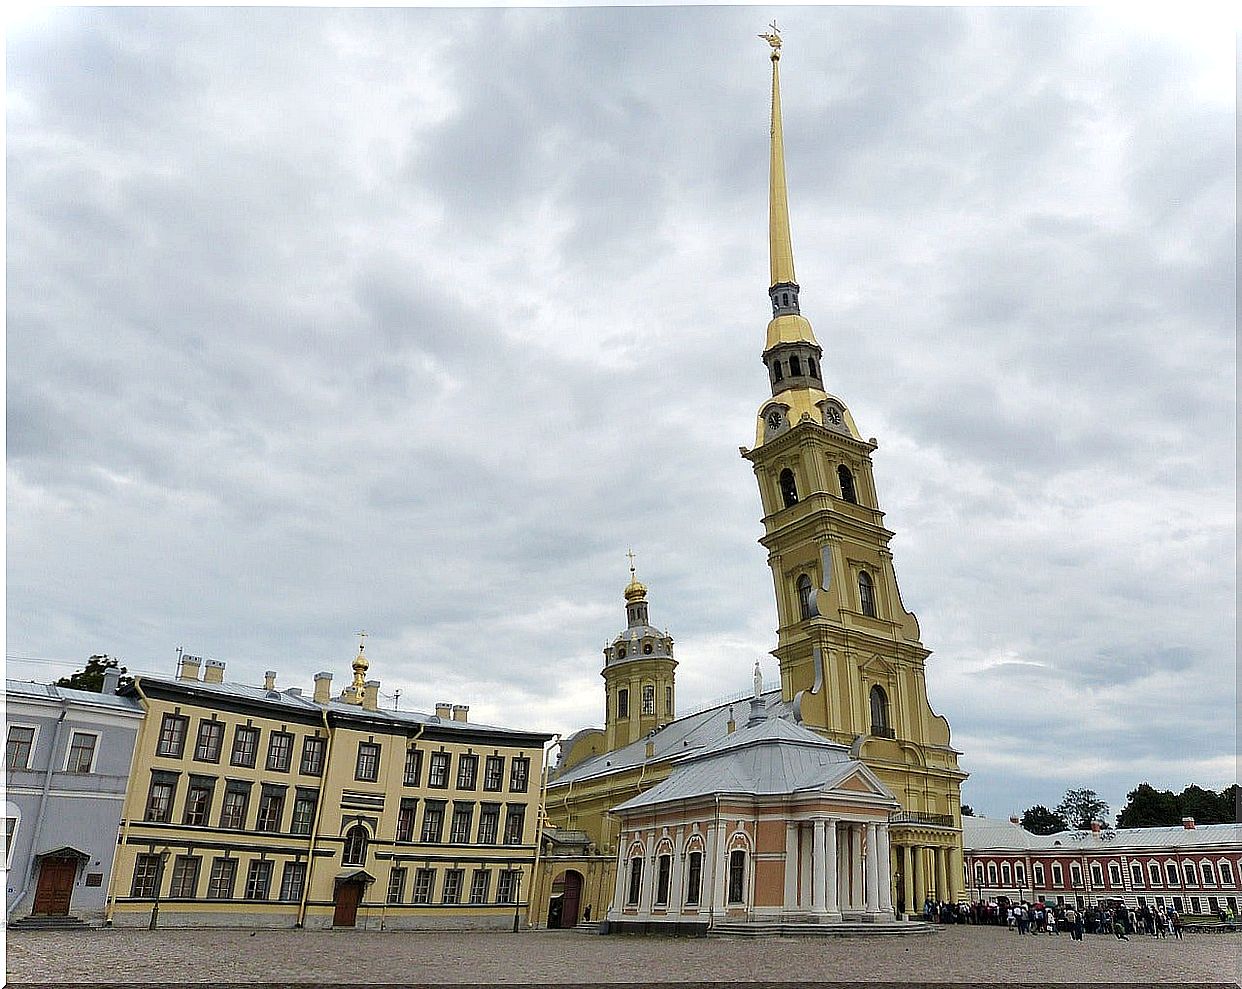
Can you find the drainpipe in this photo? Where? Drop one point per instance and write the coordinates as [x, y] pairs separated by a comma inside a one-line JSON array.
[[314, 835], [126, 819], [38, 827], [540, 821]]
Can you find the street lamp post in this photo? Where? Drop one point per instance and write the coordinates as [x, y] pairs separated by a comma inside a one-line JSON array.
[[517, 901], [159, 882]]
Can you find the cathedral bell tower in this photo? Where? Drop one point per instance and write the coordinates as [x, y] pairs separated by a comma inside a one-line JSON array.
[[638, 674], [850, 657]]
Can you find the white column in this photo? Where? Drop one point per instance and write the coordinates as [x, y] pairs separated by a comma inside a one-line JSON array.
[[856, 863], [676, 892], [805, 858], [791, 866], [623, 876], [720, 872], [817, 866], [873, 872], [831, 882], [885, 859], [844, 873]]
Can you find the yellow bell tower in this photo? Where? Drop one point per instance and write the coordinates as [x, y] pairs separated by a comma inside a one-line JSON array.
[[638, 674], [850, 657]]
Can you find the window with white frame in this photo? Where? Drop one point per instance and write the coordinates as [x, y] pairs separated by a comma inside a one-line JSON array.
[[1153, 874], [1058, 877], [1226, 873], [1170, 872], [1038, 871], [81, 755], [979, 873], [20, 746], [424, 883], [1005, 874], [1075, 873], [991, 873], [1208, 873], [1192, 877], [1136, 873], [10, 835], [1114, 874], [1097, 874], [1019, 870]]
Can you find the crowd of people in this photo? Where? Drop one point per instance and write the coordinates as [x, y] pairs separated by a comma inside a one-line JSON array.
[[1111, 917]]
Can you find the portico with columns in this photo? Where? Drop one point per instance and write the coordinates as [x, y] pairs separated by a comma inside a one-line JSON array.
[[772, 824]]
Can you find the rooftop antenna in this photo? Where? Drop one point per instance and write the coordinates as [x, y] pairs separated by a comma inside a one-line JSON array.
[[396, 699]]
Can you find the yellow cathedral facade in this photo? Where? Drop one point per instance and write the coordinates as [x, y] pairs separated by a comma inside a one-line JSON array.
[[852, 674]]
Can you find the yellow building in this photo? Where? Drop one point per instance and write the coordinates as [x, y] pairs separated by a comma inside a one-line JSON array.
[[852, 666], [253, 806]]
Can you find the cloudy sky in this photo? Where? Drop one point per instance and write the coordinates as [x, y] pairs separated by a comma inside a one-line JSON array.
[[414, 321]]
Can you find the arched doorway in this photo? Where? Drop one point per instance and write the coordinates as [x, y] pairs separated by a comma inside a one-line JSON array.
[[565, 900]]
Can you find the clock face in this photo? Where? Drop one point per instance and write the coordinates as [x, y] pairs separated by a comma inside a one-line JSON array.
[[832, 415], [774, 419]]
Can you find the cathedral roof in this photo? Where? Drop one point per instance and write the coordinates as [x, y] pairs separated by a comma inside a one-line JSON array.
[[773, 757]]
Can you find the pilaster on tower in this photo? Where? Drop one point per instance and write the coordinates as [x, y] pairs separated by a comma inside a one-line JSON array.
[[639, 678]]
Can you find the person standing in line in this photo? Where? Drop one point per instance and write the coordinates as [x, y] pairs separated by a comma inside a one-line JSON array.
[[1176, 919]]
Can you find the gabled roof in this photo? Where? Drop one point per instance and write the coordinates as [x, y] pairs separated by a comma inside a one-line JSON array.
[[773, 757]]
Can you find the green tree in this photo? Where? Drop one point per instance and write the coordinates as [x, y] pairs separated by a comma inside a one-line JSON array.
[[1147, 807], [1080, 807], [967, 810], [1230, 805], [91, 676], [1040, 820]]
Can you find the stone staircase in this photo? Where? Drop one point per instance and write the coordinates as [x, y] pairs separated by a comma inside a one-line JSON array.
[[45, 923], [844, 928]]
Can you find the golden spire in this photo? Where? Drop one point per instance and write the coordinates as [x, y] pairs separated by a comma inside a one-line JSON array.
[[781, 246]]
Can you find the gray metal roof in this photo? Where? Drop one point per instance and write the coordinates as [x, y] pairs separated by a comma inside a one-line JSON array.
[[305, 704], [54, 694], [678, 739], [982, 833], [772, 757]]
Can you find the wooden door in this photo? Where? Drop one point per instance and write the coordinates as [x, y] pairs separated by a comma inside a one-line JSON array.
[[573, 896], [348, 896], [55, 888]]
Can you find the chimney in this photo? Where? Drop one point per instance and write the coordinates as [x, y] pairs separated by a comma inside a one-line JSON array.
[[293, 691], [214, 672], [731, 725], [1014, 819], [370, 695], [1097, 827], [1188, 823], [187, 669], [460, 711], [323, 688], [444, 709], [269, 680], [650, 748], [111, 680]]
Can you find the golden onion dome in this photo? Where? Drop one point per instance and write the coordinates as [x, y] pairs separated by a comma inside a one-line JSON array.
[[635, 590]]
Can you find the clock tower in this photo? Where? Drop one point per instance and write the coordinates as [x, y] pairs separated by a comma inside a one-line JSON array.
[[851, 661]]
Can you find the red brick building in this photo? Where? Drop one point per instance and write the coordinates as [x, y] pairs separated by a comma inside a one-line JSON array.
[[1194, 868]]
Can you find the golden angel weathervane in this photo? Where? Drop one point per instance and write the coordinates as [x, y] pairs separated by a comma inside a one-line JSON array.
[[773, 37]]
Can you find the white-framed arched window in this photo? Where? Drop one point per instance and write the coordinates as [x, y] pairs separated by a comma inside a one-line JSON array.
[[866, 594], [354, 851]]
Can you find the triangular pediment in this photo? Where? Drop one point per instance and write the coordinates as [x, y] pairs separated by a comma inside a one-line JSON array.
[[877, 665], [857, 784]]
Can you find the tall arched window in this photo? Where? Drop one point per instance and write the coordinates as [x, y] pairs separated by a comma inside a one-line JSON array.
[[795, 365], [806, 603], [623, 702], [879, 712], [737, 876], [777, 373], [355, 851], [648, 699], [789, 488], [847, 484], [810, 363], [866, 594]]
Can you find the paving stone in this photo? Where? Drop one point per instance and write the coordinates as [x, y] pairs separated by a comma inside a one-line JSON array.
[[976, 955]]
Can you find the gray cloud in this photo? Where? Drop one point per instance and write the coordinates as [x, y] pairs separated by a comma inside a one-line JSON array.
[[415, 320]]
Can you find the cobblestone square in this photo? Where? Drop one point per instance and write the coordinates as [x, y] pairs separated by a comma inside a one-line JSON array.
[[979, 955]]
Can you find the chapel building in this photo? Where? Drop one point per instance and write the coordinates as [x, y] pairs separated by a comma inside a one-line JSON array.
[[852, 676]]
